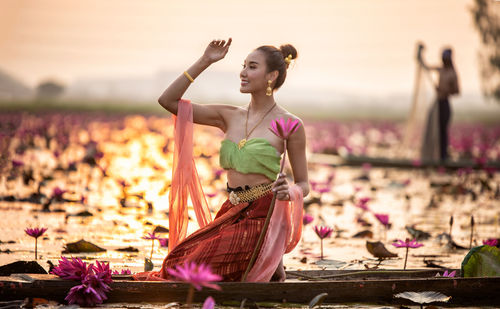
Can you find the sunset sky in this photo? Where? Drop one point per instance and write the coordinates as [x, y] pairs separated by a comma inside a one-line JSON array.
[[358, 46]]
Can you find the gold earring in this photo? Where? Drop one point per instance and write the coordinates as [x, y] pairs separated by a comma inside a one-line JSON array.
[[269, 90]]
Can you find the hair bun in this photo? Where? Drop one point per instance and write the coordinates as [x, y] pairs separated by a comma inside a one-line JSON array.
[[288, 49]]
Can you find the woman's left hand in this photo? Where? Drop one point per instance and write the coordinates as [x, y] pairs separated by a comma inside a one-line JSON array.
[[281, 188]]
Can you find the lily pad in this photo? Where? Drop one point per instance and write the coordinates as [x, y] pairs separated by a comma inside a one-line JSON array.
[[330, 264], [317, 300], [482, 261], [128, 249], [82, 246], [424, 297], [363, 234], [24, 267], [417, 234], [378, 250], [160, 229]]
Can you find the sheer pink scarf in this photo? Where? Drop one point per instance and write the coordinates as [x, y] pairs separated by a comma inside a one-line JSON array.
[[184, 178], [284, 229]]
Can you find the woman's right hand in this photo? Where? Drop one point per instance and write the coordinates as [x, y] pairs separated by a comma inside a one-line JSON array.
[[216, 50]]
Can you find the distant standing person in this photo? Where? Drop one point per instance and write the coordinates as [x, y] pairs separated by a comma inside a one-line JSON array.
[[447, 86]]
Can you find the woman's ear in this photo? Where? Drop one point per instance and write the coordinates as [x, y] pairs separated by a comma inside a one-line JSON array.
[[272, 75]]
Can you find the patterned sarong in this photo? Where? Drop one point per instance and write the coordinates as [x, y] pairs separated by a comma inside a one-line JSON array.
[[226, 244]]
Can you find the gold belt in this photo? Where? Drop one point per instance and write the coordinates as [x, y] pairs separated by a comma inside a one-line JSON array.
[[237, 197]]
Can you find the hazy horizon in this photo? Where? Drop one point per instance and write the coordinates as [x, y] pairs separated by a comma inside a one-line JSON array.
[[355, 48]]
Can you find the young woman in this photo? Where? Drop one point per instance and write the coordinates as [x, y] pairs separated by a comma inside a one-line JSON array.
[[251, 154]]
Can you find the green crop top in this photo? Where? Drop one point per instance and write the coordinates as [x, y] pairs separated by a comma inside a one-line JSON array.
[[256, 156]]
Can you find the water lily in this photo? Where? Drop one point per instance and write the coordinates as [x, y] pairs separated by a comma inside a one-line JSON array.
[[84, 295], [323, 232], [284, 130], [490, 242], [383, 219], [95, 280], [307, 218], [163, 242], [102, 271], [17, 163], [57, 193], [75, 269], [122, 272], [366, 167], [152, 237], [197, 276], [209, 303], [363, 203], [446, 274], [407, 244], [35, 233]]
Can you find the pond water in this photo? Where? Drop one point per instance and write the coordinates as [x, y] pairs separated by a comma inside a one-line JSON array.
[[118, 169]]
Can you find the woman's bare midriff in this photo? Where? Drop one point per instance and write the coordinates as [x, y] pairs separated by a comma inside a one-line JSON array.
[[237, 179]]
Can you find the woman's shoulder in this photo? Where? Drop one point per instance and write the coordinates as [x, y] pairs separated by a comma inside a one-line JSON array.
[[283, 113]]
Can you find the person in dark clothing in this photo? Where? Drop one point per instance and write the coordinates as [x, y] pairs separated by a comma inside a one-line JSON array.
[[447, 86]]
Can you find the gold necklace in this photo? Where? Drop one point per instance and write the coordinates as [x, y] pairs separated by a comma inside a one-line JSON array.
[[243, 141]]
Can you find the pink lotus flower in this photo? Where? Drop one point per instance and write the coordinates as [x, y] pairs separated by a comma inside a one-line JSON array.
[[307, 218], [323, 232], [383, 219], [152, 237], [84, 295], [209, 303], [57, 193], [218, 173], [163, 242], [284, 129], [407, 244], [366, 167], [95, 281], [35, 233], [75, 269], [322, 189], [17, 163], [103, 272], [446, 274], [196, 275], [490, 242], [363, 203], [122, 272]]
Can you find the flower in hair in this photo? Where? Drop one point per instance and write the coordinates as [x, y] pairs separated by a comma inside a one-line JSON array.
[[288, 59]]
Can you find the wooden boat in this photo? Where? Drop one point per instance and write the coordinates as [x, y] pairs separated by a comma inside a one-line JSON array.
[[352, 160], [342, 286]]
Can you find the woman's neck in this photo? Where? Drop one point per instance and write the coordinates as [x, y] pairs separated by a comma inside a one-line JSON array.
[[260, 102]]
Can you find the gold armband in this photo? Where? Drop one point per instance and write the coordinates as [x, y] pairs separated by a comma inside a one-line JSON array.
[[188, 76]]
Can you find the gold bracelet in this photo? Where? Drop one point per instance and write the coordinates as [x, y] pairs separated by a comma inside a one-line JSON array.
[[188, 76]]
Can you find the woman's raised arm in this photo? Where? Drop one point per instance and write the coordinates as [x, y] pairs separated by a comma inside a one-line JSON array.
[[202, 114]]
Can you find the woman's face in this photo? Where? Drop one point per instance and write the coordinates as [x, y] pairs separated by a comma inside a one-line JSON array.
[[254, 73]]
